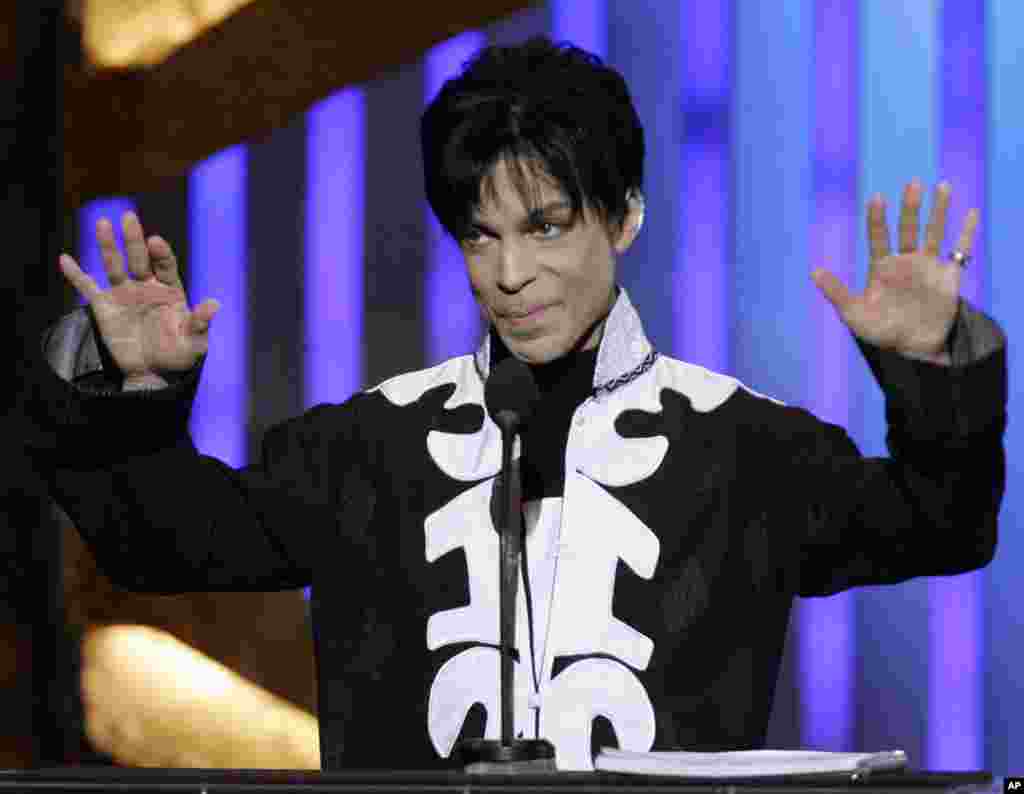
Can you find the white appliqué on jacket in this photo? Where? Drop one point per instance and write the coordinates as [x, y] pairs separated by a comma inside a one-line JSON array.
[[573, 546]]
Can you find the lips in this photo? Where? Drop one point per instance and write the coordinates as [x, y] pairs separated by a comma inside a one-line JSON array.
[[527, 313], [531, 320]]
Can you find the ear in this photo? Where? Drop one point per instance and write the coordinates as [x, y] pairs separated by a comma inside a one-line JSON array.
[[632, 223]]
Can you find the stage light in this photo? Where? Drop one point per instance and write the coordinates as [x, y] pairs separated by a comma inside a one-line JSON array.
[[136, 33], [150, 700]]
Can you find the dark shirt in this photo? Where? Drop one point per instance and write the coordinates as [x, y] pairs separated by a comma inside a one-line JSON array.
[[563, 384]]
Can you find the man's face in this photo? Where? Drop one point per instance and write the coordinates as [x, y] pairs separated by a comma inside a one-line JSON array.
[[564, 274]]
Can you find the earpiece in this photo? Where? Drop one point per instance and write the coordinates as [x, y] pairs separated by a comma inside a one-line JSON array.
[[637, 196]]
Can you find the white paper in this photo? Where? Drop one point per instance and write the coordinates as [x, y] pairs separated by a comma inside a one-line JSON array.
[[745, 763]]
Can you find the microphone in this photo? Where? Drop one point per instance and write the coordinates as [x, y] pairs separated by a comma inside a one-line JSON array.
[[510, 396]]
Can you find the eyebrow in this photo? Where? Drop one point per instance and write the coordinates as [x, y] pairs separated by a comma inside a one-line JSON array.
[[532, 219]]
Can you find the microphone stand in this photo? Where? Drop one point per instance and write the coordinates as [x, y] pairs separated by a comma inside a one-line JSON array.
[[508, 755]]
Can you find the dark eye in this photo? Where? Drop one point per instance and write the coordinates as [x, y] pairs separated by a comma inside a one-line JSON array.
[[545, 229], [471, 237], [553, 226]]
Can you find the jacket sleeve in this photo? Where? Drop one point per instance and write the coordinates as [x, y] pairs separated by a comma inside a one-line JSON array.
[[931, 508], [158, 516]]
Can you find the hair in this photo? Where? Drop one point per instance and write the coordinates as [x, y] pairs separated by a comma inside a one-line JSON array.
[[554, 111]]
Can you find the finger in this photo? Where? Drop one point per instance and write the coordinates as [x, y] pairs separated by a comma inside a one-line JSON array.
[[135, 246], [910, 217], [936, 231], [834, 289], [966, 241], [203, 314], [79, 279], [878, 228], [113, 262], [163, 261]]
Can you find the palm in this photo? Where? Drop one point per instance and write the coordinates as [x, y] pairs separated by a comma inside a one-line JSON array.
[[142, 324], [145, 321], [910, 302]]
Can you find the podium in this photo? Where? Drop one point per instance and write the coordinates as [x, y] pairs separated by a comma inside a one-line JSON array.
[[250, 781]]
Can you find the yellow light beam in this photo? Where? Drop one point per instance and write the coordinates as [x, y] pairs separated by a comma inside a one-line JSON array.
[[150, 700], [138, 33]]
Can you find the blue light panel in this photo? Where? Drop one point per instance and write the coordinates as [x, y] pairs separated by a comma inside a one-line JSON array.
[[454, 323], [956, 654], [827, 625], [703, 270], [335, 200], [898, 141], [1004, 24], [583, 23], [217, 245], [335, 178]]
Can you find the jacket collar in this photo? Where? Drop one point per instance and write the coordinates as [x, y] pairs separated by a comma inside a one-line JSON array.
[[623, 347]]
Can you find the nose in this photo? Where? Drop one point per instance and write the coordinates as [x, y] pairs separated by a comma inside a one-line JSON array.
[[515, 268]]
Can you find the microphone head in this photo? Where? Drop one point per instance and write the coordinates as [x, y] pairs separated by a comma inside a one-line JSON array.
[[511, 393]]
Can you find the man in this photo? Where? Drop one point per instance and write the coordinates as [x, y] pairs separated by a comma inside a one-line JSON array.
[[722, 504]]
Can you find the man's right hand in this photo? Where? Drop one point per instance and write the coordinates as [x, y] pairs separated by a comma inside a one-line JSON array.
[[144, 321]]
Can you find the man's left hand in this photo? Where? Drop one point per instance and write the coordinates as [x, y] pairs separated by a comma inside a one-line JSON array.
[[910, 302]]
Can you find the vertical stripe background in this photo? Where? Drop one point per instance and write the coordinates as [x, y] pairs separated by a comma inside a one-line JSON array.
[[897, 123], [768, 126], [217, 239], [825, 631], [1003, 133], [956, 604], [453, 319]]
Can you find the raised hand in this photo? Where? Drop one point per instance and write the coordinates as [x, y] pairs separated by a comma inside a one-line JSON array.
[[144, 319], [910, 302]]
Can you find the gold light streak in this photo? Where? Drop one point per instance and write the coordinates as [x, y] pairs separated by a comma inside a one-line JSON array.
[[150, 700], [139, 33]]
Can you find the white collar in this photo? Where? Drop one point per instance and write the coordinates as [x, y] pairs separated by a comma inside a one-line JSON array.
[[623, 347]]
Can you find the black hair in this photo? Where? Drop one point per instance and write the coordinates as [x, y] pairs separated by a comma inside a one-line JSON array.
[[554, 110]]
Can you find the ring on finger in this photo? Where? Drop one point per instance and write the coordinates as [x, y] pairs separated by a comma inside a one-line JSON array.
[[960, 258]]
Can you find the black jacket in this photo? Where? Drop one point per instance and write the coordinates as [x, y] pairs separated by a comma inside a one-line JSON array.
[[671, 519]]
